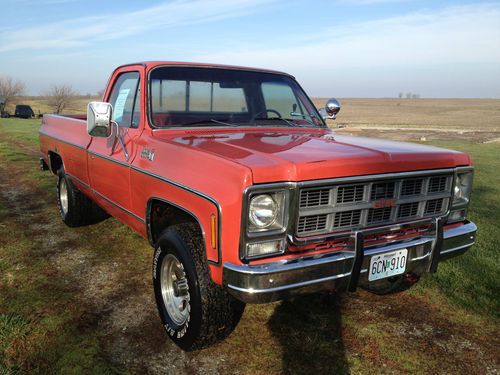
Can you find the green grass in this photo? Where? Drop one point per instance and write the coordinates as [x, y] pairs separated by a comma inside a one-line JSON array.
[[471, 281], [42, 310], [21, 129]]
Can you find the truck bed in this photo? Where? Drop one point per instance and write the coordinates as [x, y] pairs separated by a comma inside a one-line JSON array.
[[67, 136]]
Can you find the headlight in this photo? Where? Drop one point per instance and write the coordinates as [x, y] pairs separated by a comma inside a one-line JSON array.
[[463, 187], [265, 212], [461, 195]]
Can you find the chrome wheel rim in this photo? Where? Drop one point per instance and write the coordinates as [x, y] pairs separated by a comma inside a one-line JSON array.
[[175, 289], [63, 196]]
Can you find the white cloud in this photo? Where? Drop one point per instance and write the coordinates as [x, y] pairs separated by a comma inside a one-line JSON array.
[[86, 30], [454, 35]]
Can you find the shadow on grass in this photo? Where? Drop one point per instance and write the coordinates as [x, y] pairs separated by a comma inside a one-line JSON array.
[[309, 329]]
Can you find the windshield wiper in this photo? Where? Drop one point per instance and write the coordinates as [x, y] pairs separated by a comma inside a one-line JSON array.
[[276, 118], [289, 121], [302, 126], [211, 121]]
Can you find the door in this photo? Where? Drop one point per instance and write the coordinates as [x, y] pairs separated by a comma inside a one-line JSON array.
[[110, 158]]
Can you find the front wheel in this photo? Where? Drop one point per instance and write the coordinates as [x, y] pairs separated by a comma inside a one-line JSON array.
[[194, 311]]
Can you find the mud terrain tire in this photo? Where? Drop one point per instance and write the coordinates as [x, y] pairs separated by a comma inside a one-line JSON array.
[[207, 313]]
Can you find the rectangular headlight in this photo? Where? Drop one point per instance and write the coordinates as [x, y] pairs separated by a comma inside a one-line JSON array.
[[463, 188], [461, 195]]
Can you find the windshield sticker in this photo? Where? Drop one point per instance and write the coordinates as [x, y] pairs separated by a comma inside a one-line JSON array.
[[120, 104]]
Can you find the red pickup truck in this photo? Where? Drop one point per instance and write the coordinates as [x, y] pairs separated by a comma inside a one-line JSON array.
[[247, 196]]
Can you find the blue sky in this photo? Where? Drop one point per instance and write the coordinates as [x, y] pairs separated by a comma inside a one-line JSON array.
[[344, 48]]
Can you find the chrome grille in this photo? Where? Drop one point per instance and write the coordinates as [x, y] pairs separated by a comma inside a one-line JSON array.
[[350, 193], [379, 215], [437, 184], [372, 202], [314, 197], [434, 206], [382, 190], [311, 224], [347, 218], [411, 187], [408, 210]]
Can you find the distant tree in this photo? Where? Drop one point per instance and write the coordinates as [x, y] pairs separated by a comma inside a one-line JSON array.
[[408, 95], [60, 96], [10, 88], [415, 96], [400, 95]]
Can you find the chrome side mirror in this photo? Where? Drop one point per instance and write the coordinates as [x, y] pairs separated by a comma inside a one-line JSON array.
[[99, 119], [332, 107]]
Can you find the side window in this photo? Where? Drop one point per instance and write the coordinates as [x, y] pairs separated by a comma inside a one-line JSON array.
[[280, 97], [125, 100]]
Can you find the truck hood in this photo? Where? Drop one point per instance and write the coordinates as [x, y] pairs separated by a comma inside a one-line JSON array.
[[299, 154]]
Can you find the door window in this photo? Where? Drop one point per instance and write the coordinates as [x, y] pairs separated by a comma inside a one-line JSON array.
[[125, 100]]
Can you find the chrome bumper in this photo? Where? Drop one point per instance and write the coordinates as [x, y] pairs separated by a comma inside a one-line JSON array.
[[342, 270]]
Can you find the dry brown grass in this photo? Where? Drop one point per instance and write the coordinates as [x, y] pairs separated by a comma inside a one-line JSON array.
[[438, 114]]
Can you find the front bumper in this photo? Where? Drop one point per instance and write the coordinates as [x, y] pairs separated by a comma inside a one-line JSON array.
[[343, 270]]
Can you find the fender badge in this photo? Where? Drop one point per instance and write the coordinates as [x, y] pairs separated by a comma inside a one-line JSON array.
[[148, 154]]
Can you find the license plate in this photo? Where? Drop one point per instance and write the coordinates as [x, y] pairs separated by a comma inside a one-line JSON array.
[[388, 264]]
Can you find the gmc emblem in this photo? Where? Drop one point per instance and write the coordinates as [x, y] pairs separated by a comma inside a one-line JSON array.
[[384, 203]]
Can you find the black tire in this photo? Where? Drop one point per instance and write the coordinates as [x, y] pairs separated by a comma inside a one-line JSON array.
[[391, 285], [211, 312], [78, 209]]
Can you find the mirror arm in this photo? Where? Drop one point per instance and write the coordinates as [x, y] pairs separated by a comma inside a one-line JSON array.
[[120, 140]]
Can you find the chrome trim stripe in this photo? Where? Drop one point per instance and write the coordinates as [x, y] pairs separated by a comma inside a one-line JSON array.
[[456, 249], [184, 187], [289, 286], [61, 140], [122, 163], [106, 199]]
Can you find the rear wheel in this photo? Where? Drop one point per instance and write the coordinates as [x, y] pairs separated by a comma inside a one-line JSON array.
[[75, 208], [194, 311]]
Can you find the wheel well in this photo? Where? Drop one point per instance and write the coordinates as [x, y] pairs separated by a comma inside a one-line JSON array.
[[162, 214], [55, 162]]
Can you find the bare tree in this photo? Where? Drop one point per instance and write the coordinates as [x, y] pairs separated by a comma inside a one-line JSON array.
[[10, 88], [60, 96], [408, 95], [400, 95]]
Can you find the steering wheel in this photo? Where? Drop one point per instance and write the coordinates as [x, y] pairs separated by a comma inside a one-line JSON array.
[[266, 111]]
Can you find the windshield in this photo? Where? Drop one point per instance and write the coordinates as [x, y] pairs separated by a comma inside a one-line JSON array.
[[183, 96]]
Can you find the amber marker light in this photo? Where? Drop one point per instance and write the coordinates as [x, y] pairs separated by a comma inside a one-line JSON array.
[[213, 230]]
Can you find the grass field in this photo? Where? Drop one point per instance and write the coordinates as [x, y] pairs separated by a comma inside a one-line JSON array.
[[78, 301]]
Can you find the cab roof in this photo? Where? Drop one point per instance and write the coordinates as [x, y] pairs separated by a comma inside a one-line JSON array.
[[153, 64]]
